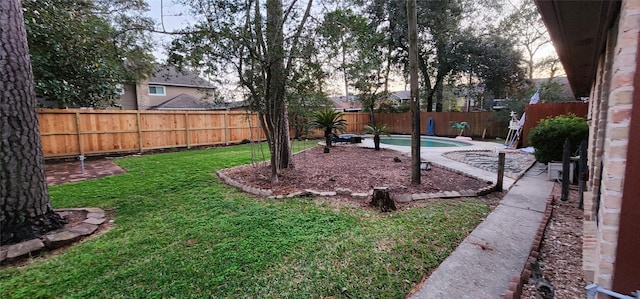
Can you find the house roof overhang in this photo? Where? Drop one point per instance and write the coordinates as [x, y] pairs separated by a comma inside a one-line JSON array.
[[578, 30]]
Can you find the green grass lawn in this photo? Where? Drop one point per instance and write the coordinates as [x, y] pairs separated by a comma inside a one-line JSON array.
[[180, 233]]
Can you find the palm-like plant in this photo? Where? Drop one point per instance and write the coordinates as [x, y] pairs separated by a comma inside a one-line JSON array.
[[376, 130], [460, 126], [328, 121]]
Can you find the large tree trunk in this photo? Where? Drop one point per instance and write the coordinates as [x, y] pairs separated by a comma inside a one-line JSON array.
[[275, 92], [25, 209], [285, 138], [424, 70]]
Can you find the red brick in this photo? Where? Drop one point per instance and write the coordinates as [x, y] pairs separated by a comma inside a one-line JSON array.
[[526, 274], [508, 295], [513, 286], [515, 278], [620, 114], [621, 78]]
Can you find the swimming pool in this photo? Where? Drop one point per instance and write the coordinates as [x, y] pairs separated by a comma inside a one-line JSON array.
[[424, 141]]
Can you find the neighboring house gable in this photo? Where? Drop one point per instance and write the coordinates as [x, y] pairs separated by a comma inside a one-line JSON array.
[[400, 97], [342, 104], [164, 86]]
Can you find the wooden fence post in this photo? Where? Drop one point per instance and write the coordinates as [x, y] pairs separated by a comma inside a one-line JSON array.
[[186, 129], [80, 144], [499, 182], [139, 125], [226, 127]]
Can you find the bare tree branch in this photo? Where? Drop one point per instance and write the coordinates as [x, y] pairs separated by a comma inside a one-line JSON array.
[[296, 37]]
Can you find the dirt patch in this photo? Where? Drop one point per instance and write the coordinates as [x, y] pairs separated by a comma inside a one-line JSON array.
[[354, 168]]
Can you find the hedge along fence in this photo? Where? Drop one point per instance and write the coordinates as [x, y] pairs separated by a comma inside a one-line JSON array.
[[538, 112], [481, 123], [74, 132]]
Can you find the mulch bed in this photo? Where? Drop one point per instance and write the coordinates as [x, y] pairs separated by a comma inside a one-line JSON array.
[[354, 168]]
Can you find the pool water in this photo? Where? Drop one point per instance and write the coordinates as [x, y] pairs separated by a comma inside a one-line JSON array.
[[424, 142]]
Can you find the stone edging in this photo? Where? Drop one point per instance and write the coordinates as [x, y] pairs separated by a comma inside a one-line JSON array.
[[406, 197], [57, 238], [514, 289], [516, 176]]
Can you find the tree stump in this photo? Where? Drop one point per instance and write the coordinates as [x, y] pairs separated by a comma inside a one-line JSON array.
[[382, 199]]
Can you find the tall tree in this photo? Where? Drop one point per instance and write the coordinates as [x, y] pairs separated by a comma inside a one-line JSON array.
[[25, 208], [83, 51], [438, 24], [234, 36], [524, 26], [412, 22], [360, 49], [445, 29], [305, 94], [495, 62]]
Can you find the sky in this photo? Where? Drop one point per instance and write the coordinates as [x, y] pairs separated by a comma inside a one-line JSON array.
[[173, 16], [176, 16]]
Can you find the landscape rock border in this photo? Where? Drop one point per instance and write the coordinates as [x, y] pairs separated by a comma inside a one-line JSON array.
[[401, 198], [57, 238]]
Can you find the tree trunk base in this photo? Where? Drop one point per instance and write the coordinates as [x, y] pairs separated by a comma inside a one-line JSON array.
[[382, 199], [32, 228]]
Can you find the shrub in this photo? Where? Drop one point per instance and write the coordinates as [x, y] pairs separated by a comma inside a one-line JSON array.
[[376, 130], [549, 135], [328, 121]]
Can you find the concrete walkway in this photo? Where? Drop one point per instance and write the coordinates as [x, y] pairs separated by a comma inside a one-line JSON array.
[[484, 263]]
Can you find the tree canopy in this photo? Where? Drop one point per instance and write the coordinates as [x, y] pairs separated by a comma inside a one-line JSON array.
[[260, 44], [525, 28], [360, 47], [450, 44], [82, 51]]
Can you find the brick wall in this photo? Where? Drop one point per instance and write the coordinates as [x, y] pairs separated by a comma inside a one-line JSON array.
[[610, 114]]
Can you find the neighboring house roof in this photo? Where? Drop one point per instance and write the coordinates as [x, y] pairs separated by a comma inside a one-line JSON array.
[[230, 105], [169, 75], [563, 81], [345, 105], [401, 95], [184, 101]]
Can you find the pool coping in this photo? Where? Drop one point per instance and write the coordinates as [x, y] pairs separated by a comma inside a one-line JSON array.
[[435, 138]]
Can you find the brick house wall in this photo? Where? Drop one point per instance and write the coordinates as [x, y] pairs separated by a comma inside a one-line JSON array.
[[611, 103]]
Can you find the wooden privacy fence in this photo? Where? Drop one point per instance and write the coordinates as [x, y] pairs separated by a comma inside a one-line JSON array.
[[92, 132], [537, 112], [74, 132], [481, 123]]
